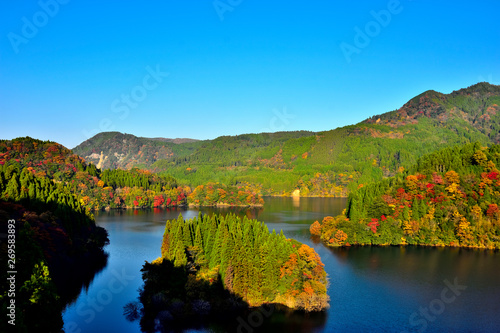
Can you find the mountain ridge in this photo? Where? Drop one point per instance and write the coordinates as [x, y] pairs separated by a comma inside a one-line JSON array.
[[327, 163]]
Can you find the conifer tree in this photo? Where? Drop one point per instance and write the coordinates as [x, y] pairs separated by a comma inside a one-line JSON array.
[[198, 240]]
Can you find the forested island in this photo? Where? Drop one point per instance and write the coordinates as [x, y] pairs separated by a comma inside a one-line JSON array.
[[218, 265], [449, 198]]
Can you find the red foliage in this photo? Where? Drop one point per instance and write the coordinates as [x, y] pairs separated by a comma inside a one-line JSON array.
[[158, 201], [493, 175], [373, 225], [492, 210]]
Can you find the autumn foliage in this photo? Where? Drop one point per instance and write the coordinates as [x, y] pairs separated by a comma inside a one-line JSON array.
[[450, 198], [258, 266], [213, 194], [315, 229]]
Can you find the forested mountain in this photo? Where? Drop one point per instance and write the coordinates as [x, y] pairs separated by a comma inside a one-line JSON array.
[[329, 163], [448, 198], [111, 150], [51, 233], [55, 164], [112, 188]]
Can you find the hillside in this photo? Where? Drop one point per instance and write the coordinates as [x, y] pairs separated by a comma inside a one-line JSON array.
[[449, 198], [112, 150], [176, 140], [52, 236], [330, 163], [110, 188]]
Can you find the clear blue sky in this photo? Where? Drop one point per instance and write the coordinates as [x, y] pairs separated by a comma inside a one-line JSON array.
[[233, 66]]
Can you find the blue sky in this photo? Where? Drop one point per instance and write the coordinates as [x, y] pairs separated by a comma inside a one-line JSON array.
[[202, 69]]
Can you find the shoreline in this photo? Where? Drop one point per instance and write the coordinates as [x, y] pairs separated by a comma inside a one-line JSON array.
[[218, 205], [438, 246]]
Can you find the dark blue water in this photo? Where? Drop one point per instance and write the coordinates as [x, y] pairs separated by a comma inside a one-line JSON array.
[[387, 289]]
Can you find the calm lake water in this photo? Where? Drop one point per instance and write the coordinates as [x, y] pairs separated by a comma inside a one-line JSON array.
[[387, 289]]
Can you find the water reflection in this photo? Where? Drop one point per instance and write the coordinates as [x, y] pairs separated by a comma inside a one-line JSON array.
[[372, 289], [74, 277]]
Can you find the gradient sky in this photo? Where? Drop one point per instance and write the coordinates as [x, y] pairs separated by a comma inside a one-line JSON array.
[[233, 66]]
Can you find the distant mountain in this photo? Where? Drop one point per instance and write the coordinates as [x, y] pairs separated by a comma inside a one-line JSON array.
[[112, 150], [176, 140], [318, 164]]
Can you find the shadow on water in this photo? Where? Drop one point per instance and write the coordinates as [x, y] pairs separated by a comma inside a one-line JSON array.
[[64, 240], [167, 304], [373, 289], [412, 261], [71, 277]]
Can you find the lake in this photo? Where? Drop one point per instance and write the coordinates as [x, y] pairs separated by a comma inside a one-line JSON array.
[[372, 289]]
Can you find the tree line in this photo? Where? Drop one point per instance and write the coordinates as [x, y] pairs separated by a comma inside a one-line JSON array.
[[448, 198], [234, 254]]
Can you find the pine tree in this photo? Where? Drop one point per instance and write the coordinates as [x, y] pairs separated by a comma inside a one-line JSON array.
[[12, 192], [187, 235], [180, 259], [198, 240], [215, 253]]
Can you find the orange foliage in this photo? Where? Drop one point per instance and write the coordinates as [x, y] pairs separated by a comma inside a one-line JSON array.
[[340, 237], [308, 289], [289, 266], [315, 229], [492, 210]]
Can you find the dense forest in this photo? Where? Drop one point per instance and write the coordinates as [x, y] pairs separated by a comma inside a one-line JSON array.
[[51, 194], [213, 194], [53, 233], [329, 163], [96, 189], [448, 198], [213, 264]]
